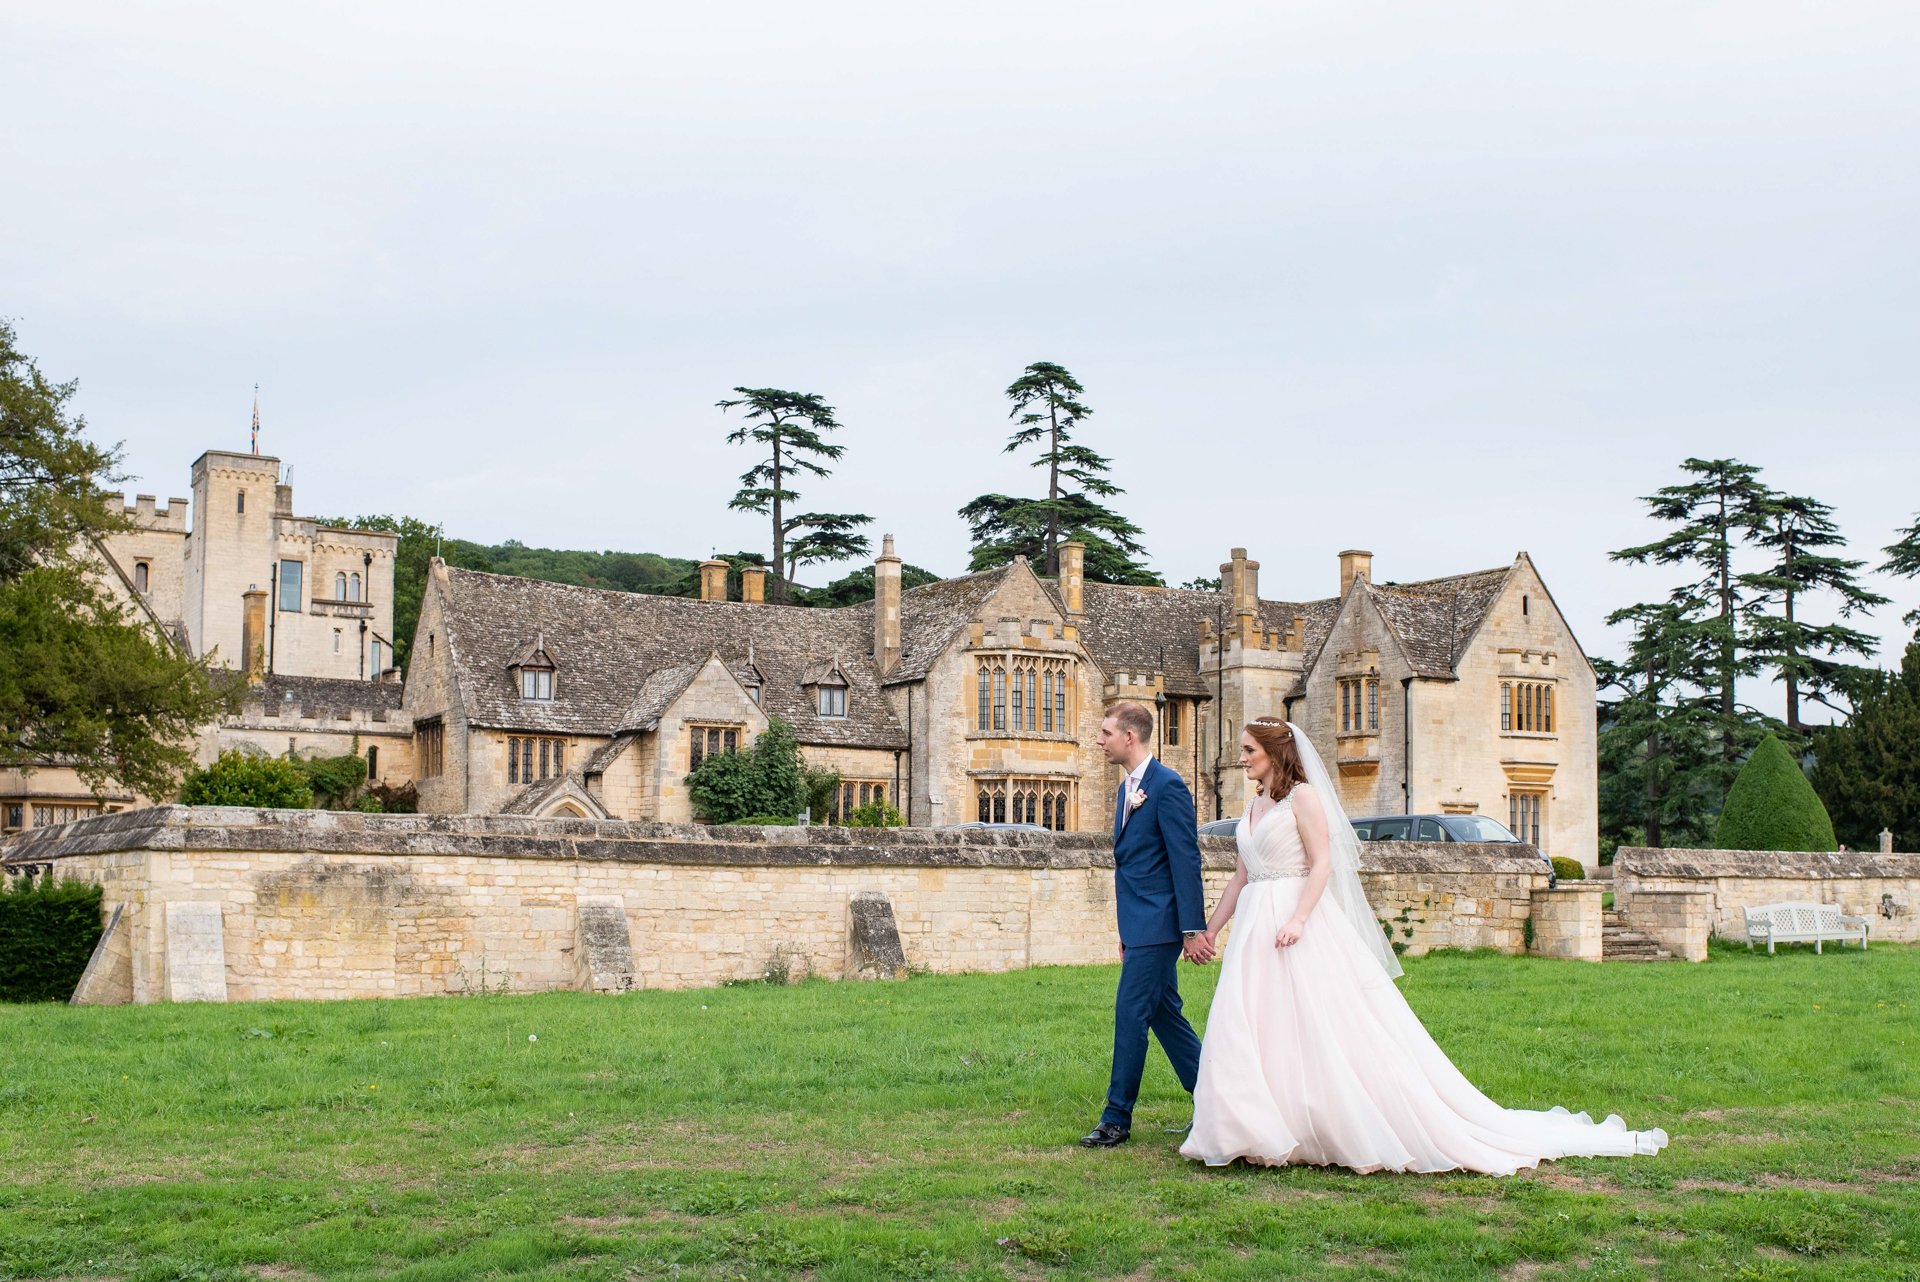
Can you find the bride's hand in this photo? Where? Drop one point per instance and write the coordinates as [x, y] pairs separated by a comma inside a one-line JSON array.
[[1289, 934]]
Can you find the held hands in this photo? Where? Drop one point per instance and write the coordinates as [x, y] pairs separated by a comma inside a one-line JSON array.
[[1289, 935], [1198, 948]]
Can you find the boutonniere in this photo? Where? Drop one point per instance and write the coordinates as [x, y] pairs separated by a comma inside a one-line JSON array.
[[1136, 799]]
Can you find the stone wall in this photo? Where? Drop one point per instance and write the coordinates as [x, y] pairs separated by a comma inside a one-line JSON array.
[[1885, 889], [316, 904]]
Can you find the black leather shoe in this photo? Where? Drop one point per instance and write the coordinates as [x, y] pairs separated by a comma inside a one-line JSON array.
[[1185, 1128], [1105, 1135]]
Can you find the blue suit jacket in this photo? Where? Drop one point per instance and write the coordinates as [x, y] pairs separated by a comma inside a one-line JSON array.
[[1156, 864]]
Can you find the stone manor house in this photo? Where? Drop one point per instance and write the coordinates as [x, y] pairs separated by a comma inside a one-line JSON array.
[[978, 698], [974, 698]]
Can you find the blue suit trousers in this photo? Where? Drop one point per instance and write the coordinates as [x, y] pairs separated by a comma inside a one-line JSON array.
[[1149, 998]]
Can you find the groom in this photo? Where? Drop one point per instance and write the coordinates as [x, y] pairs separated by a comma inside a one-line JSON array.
[[1163, 914]]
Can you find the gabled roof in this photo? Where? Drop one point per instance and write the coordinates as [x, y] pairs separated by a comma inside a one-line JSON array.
[[655, 695], [536, 652], [617, 649], [931, 616], [570, 787], [1129, 629], [1434, 619]]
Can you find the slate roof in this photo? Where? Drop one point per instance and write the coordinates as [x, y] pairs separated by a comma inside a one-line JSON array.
[[1434, 619], [328, 696], [1126, 628], [611, 645], [931, 616], [655, 695]]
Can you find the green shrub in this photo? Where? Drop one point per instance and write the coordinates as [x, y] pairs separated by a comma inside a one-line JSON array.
[[334, 780], [236, 779], [777, 821], [1771, 806], [1568, 869], [47, 933], [770, 778], [875, 814], [780, 769], [725, 787], [821, 785]]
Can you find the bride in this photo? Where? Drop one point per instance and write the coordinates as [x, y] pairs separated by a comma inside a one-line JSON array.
[[1311, 1055]]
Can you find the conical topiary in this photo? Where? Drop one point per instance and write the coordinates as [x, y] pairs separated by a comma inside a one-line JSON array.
[[1771, 806]]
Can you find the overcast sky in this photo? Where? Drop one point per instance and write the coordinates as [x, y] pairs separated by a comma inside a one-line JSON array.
[[1442, 281]]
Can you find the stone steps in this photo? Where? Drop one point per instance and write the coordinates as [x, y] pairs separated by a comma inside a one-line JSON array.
[[1622, 943]]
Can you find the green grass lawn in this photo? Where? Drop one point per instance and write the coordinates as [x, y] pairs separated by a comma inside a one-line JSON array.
[[926, 1130]]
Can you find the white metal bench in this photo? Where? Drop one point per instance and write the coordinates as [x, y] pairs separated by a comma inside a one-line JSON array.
[[1802, 923]]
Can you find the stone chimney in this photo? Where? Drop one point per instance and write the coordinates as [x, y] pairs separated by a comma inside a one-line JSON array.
[[1354, 565], [253, 633], [753, 584], [283, 500], [1073, 579], [713, 580], [1240, 580], [1886, 841], [886, 607]]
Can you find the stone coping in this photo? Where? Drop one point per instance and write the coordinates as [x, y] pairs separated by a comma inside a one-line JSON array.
[[1641, 861], [222, 829]]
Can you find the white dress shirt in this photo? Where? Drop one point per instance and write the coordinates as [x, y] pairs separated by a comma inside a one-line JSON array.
[[1132, 782]]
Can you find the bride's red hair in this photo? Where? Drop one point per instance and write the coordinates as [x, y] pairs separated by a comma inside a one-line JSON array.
[[1275, 738]]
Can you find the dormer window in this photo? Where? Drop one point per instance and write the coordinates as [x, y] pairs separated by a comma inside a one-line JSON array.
[[533, 670], [829, 686]]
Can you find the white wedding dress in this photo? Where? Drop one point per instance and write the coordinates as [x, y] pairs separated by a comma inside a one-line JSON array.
[[1313, 1057]]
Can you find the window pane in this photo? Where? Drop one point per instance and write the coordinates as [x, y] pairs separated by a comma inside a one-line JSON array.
[[513, 761], [1547, 721], [558, 744], [986, 807], [1430, 830], [999, 807], [543, 759], [986, 680], [1373, 705], [339, 587], [353, 587], [139, 576], [999, 699], [290, 596], [730, 741]]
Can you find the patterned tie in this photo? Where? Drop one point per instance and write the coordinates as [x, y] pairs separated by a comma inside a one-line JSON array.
[[1120, 808]]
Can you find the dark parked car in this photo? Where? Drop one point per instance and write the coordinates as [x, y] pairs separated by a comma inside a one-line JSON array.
[[1431, 828]]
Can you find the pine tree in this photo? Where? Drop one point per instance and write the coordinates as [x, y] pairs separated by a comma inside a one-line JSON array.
[[1903, 559], [1003, 527], [791, 425], [1867, 771], [1725, 506], [1804, 655], [1661, 772], [1047, 411]]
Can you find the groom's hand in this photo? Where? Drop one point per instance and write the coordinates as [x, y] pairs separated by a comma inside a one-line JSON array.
[[1197, 949]]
